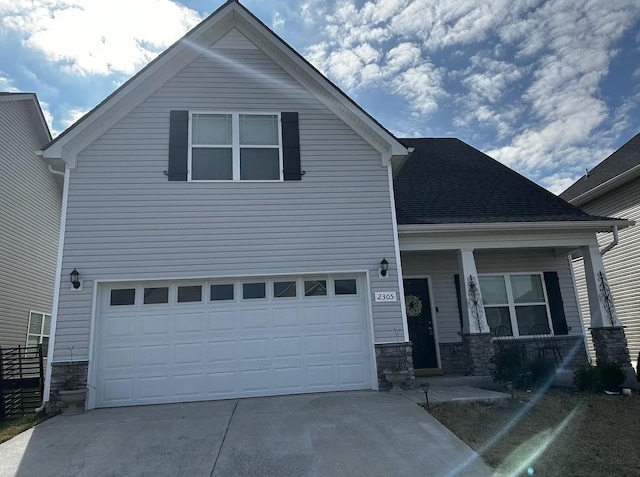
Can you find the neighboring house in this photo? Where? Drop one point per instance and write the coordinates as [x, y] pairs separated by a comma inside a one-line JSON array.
[[232, 218], [613, 188], [30, 200]]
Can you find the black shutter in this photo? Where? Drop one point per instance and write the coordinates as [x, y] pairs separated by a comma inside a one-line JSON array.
[[291, 147], [178, 145], [556, 305], [456, 279]]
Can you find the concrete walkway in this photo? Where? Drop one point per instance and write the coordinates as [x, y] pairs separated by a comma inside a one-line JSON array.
[[333, 434]]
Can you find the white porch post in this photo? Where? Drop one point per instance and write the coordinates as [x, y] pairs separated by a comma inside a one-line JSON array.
[[601, 306], [475, 320]]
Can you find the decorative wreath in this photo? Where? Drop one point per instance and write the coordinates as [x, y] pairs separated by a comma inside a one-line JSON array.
[[414, 306]]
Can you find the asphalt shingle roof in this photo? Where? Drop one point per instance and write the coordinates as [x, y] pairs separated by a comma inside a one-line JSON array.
[[447, 181], [622, 160]]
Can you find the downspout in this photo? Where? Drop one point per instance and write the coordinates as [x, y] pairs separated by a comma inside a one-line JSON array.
[[53, 171], [613, 243]]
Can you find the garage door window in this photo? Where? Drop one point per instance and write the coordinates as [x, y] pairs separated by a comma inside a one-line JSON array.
[[284, 289], [345, 287], [251, 291], [221, 292], [123, 296], [189, 294], [156, 296], [315, 287]]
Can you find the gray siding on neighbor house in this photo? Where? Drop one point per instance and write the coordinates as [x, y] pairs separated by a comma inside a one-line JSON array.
[[29, 216], [442, 266], [622, 263], [125, 220]]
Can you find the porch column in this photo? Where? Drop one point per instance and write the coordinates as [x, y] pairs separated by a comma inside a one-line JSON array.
[[608, 335], [476, 335]]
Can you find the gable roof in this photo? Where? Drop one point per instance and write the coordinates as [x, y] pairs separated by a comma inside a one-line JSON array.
[[618, 168], [230, 15], [35, 111], [446, 181]]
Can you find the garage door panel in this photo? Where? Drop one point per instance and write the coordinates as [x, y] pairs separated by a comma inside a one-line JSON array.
[[221, 351], [189, 353], [188, 323], [350, 343], [348, 314], [118, 358], [225, 320], [154, 324], [259, 319], [255, 349], [189, 385], [153, 355], [287, 347], [286, 318], [352, 374], [255, 380], [230, 348], [319, 345], [119, 327]]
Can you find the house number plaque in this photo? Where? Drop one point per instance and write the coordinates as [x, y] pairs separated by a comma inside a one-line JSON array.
[[385, 296]]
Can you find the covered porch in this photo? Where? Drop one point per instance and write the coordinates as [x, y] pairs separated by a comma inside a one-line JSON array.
[[470, 287]]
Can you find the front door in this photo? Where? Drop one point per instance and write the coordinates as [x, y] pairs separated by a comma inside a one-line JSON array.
[[416, 293]]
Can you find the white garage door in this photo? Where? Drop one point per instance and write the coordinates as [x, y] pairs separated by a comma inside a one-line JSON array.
[[202, 340]]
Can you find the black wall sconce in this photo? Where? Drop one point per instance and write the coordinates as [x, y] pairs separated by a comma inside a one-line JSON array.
[[75, 279], [384, 266]]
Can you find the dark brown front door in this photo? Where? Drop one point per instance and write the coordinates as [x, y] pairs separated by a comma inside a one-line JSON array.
[[416, 292]]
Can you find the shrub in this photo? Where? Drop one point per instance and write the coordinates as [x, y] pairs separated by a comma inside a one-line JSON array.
[[510, 365], [606, 375], [585, 378], [611, 373]]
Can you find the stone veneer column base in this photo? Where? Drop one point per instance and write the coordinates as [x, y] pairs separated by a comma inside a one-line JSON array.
[[60, 374], [611, 345], [388, 353], [478, 351]]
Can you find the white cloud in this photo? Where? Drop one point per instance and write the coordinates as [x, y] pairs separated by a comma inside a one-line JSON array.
[[558, 183], [48, 117], [7, 84], [422, 86], [277, 21], [72, 116], [96, 37]]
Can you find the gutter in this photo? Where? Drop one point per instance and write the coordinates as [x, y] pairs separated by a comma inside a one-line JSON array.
[[605, 186], [600, 225]]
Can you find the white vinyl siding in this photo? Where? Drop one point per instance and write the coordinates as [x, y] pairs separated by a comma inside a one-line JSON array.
[[442, 266], [30, 200], [125, 220], [622, 263]]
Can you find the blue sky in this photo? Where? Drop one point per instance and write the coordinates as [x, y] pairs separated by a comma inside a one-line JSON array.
[[547, 87]]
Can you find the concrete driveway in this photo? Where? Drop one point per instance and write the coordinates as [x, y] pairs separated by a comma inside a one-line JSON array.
[[352, 434]]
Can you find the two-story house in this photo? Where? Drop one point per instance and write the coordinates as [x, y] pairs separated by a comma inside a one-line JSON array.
[[231, 230]]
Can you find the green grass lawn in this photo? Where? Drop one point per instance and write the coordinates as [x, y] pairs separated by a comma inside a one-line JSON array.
[[12, 427], [563, 433]]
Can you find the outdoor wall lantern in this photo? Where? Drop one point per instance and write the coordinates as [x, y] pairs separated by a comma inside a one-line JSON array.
[[384, 266], [75, 279]]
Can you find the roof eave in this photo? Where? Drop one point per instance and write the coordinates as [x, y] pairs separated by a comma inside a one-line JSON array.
[[592, 225], [606, 186]]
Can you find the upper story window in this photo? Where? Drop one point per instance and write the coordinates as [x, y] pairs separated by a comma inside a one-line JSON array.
[[235, 146]]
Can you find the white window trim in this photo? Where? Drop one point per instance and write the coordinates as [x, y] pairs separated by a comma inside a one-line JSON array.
[[235, 146], [40, 334], [511, 302]]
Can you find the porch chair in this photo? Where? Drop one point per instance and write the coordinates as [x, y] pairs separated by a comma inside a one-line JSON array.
[[504, 338], [545, 341]]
